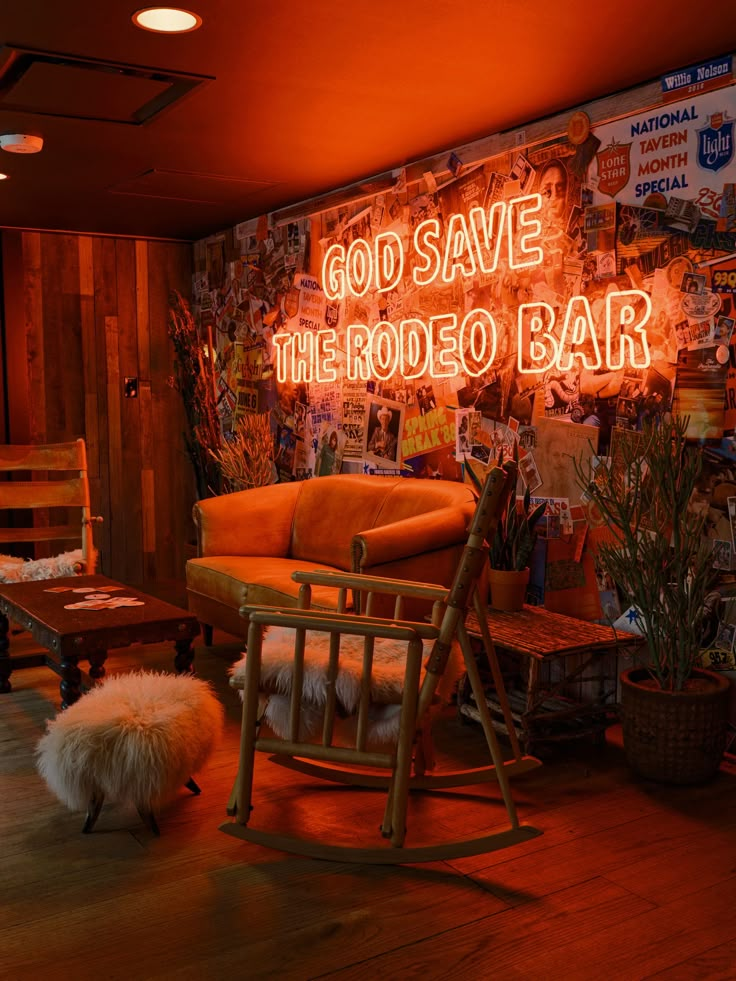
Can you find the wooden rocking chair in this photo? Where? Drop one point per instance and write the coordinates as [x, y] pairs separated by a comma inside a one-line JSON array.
[[409, 763], [42, 497]]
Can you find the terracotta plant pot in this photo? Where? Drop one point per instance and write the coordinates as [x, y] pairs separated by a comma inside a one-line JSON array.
[[508, 588], [675, 737]]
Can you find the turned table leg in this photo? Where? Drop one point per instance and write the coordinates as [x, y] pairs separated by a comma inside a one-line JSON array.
[[184, 656], [5, 663], [97, 663], [71, 678]]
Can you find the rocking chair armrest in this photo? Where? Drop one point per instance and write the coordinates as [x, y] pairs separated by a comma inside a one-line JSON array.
[[411, 536], [376, 584], [351, 623]]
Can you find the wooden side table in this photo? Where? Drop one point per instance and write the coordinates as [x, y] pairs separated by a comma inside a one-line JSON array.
[[569, 668]]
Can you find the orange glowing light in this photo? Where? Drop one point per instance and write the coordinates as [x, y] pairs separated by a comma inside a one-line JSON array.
[[509, 232], [465, 247], [539, 349]]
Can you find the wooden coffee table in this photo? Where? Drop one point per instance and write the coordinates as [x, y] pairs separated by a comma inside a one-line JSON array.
[[69, 635]]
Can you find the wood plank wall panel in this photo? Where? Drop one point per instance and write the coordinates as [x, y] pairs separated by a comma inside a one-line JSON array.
[[82, 313]]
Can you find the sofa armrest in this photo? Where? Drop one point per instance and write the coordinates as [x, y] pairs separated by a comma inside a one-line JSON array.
[[411, 536], [250, 522]]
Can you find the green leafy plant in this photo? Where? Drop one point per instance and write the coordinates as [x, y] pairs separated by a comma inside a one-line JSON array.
[[516, 532], [658, 556]]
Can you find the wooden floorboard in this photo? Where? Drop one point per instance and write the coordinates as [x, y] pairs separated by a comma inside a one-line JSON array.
[[629, 880]]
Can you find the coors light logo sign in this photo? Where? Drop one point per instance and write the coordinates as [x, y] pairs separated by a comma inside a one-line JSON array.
[[614, 168], [715, 143]]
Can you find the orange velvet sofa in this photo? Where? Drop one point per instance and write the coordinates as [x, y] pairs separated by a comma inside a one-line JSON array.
[[250, 542]]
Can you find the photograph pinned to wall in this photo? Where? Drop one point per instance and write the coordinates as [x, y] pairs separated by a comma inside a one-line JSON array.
[[300, 418], [467, 432], [682, 333], [330, 449], [425, 398], [558, 443], [285, 454], [499, 438], [383, 429], [529, 471], [723, 330], [722, 555]]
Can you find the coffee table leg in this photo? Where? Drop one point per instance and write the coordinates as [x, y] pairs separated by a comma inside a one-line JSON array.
[[184, 656], [97, 663], [5, 663], [71, 678]]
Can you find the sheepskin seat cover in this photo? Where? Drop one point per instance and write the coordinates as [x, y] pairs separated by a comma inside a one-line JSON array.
[[389, 660], [14, 569], [137, 738]]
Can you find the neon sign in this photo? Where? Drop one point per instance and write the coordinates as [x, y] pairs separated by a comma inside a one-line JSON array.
[[448, 345]]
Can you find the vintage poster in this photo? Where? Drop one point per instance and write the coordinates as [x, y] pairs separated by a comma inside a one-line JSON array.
[[559, 444], [680, 150]]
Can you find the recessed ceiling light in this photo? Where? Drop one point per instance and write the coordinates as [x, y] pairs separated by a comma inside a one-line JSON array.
[[21, 143], [166, 20]]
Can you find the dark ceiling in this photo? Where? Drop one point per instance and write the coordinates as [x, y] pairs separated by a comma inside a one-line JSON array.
[[271, 103]]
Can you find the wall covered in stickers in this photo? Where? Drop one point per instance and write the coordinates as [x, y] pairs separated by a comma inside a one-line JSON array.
[[554, 294]]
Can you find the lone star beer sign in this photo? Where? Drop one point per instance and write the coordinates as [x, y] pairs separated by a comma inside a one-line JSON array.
[[614, 168], [450, 344]]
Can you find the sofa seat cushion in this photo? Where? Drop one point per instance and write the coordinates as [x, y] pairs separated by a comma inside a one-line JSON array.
[[240, 580]]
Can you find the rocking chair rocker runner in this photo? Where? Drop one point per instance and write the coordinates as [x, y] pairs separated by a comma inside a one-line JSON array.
[[415, 700]]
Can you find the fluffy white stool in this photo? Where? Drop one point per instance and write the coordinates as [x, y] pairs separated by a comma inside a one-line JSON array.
[[137, 738]]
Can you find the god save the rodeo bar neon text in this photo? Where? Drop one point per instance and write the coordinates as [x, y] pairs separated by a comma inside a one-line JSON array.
[[447, 345]]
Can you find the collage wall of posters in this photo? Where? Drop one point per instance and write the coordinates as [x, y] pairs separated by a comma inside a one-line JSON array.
[[646, 203]]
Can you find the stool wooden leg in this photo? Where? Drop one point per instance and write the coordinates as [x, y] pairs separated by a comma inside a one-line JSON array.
[[149, 820], [184, 656], [93, 812], [193, 786]]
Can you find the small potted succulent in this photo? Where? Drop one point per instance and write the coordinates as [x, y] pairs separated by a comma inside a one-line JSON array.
[[512, 545]]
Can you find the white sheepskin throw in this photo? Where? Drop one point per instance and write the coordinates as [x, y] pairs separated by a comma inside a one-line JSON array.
[[137, 738], [276, 672], [13, 569]]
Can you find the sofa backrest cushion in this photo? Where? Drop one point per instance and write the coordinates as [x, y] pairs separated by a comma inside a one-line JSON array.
[[410, 497], [331, 511]]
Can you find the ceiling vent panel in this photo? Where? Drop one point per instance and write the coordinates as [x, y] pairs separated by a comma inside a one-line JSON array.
[[45, 83]]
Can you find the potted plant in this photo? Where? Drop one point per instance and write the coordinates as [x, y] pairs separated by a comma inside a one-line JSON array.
[[674, 713], [512, 544]]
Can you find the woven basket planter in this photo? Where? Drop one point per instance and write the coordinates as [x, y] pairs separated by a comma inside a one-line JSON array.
[[674, 737]]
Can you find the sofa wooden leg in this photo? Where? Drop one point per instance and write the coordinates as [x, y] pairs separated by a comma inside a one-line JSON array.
[[207, 634]]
